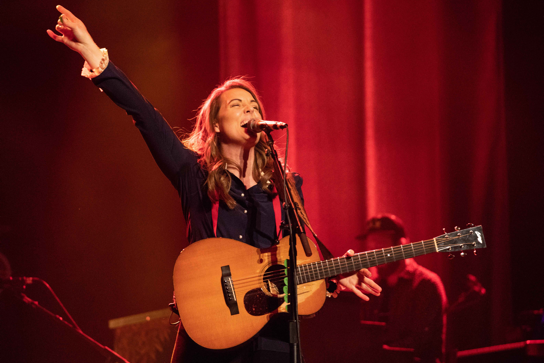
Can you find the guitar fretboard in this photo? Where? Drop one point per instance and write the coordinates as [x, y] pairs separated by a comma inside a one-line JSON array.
[[341, 265]]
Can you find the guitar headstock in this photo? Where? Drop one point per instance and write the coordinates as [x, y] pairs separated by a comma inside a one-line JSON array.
[[470, 238]]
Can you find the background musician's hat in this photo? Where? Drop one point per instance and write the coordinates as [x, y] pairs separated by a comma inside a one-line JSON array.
[[384, 222]]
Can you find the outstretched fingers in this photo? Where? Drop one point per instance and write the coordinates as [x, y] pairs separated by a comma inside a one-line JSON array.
[[357, 291], [66, 16], [54, 36], [66, 36], [367, 284], [73, 33], [63, 26]]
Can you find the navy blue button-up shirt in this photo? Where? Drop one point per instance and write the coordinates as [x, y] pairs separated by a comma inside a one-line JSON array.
[[252, 221]]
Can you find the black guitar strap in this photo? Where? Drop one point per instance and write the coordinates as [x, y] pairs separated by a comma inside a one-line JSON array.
[[301, 212]]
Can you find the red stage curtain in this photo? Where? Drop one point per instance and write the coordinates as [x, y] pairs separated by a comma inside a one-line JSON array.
[[394, 106]]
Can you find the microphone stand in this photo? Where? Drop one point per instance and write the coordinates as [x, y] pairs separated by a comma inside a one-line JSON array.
[[32, 308], [295, 227]]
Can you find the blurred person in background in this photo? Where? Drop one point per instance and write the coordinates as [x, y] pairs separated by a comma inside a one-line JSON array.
[[413, 301]]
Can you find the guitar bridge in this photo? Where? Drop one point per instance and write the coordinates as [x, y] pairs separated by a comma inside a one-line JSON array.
[[228, 290]]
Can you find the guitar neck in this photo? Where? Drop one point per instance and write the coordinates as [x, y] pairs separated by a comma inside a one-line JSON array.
[[341, 265]]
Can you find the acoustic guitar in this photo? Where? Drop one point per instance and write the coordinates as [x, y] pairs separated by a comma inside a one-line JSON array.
[[226, 290]]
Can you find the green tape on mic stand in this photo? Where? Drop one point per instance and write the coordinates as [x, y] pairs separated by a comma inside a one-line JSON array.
[[286, 286]]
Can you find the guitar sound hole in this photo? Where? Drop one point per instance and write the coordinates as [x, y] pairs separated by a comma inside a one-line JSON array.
[[273, 281], [269, 296]]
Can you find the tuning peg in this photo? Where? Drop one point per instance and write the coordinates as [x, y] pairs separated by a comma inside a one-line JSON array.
[[475, 254], [463, 254], [457, 228], [444, 229], [470, 225], [451, 256]]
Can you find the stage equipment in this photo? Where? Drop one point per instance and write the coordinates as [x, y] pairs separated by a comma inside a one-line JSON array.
[[145, 338], [31, 333], [530, 351], [262, 125]]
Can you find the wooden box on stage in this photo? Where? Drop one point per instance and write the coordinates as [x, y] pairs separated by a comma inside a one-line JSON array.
[[145, 338]]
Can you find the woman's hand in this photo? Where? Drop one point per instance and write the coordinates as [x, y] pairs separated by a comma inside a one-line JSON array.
[[358, 282], [76, 37]]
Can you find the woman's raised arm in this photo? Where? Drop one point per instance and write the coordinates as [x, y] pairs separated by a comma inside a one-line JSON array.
[[168, 151]]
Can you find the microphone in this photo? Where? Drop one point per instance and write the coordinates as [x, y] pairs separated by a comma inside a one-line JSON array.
[[262, 125]]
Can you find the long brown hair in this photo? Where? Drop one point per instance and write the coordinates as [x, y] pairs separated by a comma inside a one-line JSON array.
[[204, 141]]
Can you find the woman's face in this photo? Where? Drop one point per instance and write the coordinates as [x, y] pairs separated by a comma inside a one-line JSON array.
[[237, 108]]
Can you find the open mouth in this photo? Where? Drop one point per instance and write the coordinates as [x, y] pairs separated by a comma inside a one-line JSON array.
[[245, 124]]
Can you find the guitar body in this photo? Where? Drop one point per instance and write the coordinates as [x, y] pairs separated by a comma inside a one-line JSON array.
[[226, 291]]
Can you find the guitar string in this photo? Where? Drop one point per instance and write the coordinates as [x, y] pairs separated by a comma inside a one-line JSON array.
[[342, 263], [347, 261]]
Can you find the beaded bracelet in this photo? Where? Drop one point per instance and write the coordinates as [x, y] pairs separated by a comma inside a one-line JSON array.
[[91, 73]]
